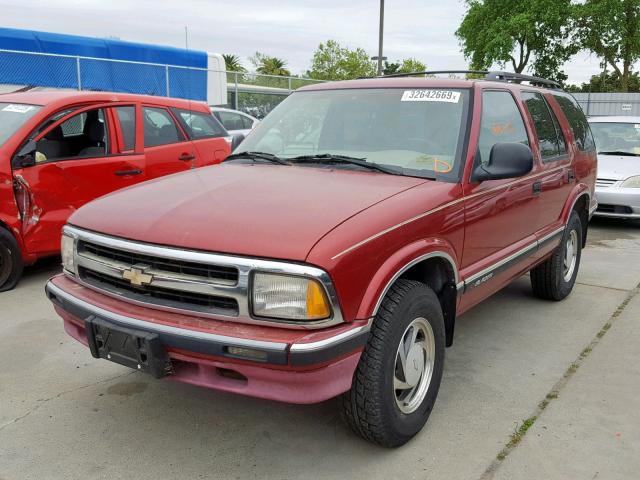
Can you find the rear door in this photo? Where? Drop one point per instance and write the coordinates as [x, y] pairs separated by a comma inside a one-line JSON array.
[[78, 158], [166, 146], [210, 139], [552, 151]]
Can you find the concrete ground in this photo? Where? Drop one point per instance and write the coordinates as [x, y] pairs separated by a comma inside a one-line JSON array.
[[531, 390]]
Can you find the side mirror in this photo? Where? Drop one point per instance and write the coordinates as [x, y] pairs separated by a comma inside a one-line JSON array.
[[26, 157], [506, 160], [237, 140]]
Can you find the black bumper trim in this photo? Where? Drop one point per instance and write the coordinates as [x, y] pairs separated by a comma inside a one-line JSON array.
[[218, 345]]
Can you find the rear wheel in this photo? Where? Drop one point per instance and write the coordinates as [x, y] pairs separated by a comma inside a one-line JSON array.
[[10, 261], [554, 279], [398, 377]]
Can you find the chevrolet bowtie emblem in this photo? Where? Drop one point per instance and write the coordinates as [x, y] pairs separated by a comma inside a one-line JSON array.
[[137, 276]]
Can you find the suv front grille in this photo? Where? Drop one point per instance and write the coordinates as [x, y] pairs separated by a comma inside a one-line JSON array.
[[161, 296], [172, 283], [212, 272]]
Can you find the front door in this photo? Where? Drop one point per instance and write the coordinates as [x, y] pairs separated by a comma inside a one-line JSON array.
[[78, 158], [500, 215]]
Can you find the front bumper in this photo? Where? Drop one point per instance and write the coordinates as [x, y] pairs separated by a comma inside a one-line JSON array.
[[299, 367], [618, 202]]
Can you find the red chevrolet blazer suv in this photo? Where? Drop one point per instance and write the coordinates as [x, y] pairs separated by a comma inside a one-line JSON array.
[[59, 150], [332, 252]]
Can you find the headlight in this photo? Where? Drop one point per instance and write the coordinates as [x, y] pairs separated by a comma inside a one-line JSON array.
[[67, 247], [631, 182], [289, 297]]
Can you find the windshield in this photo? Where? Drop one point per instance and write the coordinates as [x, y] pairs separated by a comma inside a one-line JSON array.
[[617, 137], [12, 117], [416, 132]]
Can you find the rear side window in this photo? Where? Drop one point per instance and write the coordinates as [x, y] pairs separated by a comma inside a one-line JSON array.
[[501, 123], [577, 122], [550, 139], [231, 121], [159, 127], [199, 125], [247, 122], [127, 118]]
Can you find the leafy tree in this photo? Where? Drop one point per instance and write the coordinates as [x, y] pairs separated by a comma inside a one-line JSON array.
[[525, 33], [611, 30], [233, 63], [408, 65], [268, 65], [331, 61], [607, 82]]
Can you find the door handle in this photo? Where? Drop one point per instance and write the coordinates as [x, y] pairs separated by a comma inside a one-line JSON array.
[[185, 157], [122, 173], [537, 188]]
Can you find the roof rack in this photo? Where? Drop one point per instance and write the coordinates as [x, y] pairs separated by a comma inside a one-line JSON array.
[[492, 76], [518, 77]]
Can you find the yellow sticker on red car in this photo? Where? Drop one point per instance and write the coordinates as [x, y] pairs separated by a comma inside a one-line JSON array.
[[426, 95]]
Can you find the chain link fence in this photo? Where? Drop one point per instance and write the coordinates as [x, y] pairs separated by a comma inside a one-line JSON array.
[[254, 93]]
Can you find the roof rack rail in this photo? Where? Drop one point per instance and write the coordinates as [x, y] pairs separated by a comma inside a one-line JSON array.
[[518, 77], [434, 72], [492, 76]]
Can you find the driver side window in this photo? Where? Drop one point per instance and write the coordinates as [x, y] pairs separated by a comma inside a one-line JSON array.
[[84, 135], [501, 123]]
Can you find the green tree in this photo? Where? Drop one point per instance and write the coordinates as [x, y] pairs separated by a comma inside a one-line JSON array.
[[607, 82], [331, 61], [611, 30], [233, 63], [531, 34], [268, 65], [408, 65]]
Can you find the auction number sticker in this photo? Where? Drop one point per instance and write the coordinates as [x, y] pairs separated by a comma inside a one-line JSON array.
[[17, 108], [430, 96]]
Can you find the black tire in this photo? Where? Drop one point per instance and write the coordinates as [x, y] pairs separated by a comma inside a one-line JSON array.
[[11, 265], [370, 407], [548, 279]]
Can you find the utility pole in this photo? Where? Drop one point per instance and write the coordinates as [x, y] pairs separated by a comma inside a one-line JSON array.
[[380, 58]]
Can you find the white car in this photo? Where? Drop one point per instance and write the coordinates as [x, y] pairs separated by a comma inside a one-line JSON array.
[[618, 183], [235, 121]]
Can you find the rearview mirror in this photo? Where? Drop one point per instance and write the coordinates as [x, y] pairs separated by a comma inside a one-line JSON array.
[[237, 140], [26, 157], [506, 160]]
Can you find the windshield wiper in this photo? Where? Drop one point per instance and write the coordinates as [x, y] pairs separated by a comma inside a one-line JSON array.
[[269, 157], [336, 159], [619, 152]]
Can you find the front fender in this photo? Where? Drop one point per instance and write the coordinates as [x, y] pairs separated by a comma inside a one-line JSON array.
[[398, 263]]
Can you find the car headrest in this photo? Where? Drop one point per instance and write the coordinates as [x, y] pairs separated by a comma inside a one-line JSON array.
[[95, 131]]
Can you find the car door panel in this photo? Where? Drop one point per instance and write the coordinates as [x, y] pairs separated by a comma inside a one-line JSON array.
[[57, 188]]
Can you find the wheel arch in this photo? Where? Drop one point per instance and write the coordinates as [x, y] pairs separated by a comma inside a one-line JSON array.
[[436, 268], [580, 203]]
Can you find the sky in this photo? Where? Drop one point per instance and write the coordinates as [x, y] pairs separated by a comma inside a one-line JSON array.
[[289, 29]]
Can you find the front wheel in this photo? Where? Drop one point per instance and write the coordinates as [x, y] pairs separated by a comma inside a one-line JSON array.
[[554, 278], [10, 261], [398, 376]]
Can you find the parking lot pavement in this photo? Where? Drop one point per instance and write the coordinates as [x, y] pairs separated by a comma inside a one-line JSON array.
[[65, 415]]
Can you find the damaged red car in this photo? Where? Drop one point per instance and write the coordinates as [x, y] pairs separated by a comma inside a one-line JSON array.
[[60, 150]]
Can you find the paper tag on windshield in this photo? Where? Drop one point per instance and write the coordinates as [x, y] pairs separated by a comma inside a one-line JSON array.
[[17, 108], [430, 96]]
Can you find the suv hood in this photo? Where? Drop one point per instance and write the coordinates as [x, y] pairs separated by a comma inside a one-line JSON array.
[[618, 167], [258, 210]]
